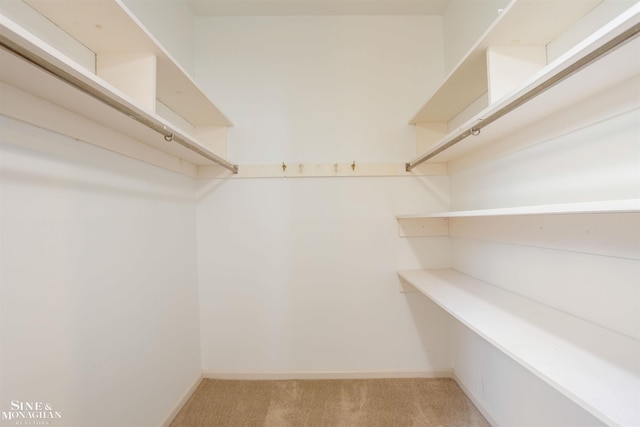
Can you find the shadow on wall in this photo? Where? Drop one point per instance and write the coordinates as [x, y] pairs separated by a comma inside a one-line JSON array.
[[57, 161], [434, 327], [206, 187]]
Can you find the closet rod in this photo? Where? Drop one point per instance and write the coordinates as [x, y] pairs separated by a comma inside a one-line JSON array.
[[530, 94], [19, 48]]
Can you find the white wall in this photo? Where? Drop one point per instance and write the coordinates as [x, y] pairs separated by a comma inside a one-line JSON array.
[[172, 24], [298, 275], [99, 309], [465, 21], [320, 89], [509, 394], [587, 153]]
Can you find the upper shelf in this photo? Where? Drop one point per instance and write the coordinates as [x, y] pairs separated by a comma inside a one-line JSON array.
[[599, 207], [602, 66], [521, 23], [39, 77], [107, 26]]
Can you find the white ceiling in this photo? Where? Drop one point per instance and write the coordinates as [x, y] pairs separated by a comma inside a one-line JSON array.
[[316, 7]]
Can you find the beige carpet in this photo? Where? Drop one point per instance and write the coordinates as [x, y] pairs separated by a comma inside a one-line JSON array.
[[367, 403]]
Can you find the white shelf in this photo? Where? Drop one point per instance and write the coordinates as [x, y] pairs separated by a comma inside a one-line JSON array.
[[521, 23], [599, 207], [596, 368], [32, 94], [607, 228], [618, 67], [107, 26]]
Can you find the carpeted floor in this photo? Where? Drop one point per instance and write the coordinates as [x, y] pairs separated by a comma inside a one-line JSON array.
[[330, 403]]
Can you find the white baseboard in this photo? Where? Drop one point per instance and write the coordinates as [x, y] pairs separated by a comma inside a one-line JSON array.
[[485, 413], [182, 401], [324, 375]]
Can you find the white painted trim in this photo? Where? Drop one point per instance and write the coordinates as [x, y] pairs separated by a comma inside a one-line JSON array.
[[478, 404], [594, 207], [324, 375], [182, 402], [320, 170]]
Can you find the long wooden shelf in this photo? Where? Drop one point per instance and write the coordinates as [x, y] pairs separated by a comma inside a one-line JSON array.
[[595, 367], [521, 23], [597, 207], [107, 26]]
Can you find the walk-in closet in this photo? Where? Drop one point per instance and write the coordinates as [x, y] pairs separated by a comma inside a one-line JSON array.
[[410, 196]]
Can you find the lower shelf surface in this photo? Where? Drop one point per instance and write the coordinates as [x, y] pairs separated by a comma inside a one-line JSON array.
[[597, 368]]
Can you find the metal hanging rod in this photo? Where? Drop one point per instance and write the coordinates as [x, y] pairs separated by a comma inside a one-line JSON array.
[[531, 93], [21, 48]]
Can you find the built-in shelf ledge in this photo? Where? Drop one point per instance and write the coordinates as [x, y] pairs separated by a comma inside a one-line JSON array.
[[595, 367], [37, 80], [608, 228], [517, 25], [322, 170], [110, 29], [596, 207], [604, 60]]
